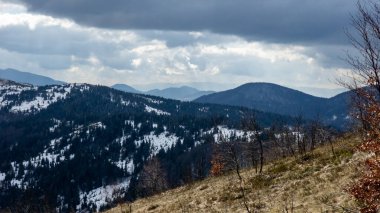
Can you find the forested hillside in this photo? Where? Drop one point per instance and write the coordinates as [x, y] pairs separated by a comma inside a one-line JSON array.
[[82, 147], [274, 98]]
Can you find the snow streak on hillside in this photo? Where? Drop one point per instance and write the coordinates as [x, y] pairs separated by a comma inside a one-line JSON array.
[[8, 89], [51, 96]]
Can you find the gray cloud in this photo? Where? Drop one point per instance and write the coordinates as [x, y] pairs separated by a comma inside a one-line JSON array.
[[280, 21], [53, 46], [48, 40], [330, 56], [182, 55]]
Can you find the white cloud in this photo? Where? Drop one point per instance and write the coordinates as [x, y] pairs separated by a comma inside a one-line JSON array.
[[136, 62], [196, 34], [14, 14]]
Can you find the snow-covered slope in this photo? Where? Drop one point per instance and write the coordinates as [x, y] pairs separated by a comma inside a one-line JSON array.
[[24, 98]]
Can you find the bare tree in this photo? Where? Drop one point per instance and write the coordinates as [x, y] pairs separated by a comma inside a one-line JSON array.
[[251, 126], [275, 136], [153, 178], [366, 42], [327, 136], [233, 155], [285, 140], [228, 155], [301, 145], [313, 132], [365, 82]]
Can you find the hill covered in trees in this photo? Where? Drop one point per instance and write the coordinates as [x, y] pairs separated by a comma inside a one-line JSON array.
[[274, 98], [79, 147]]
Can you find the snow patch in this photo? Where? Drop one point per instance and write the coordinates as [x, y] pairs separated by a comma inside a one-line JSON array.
[[154, 110], [2, 176], [125, 103], [153, 101], [204, 109], [102, 196], [11, 90], [51, 96], [163, 141], [125, 165], [57, 123], [224, 133], [130, 122]]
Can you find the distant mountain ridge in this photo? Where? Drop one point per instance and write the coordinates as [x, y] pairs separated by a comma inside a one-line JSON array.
[[265, 97], [125, 88], [26, 77], [274, 98], [183, 93]]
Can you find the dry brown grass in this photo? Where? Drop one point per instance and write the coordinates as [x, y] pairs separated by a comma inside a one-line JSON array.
[[313, 183]]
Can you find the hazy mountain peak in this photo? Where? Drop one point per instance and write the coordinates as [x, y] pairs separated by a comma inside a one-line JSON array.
[[183, 93], [26, 77], [269, 97], [125, 88]]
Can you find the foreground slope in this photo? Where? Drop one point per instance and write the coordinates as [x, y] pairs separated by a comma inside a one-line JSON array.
[[313, 183]]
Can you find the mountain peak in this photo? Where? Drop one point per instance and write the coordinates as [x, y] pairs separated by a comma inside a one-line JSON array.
[[268, 86], [125, 88], [269, 97], [183, 93]]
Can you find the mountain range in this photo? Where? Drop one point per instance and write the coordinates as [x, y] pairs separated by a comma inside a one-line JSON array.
[[265, 97], [183, 93]]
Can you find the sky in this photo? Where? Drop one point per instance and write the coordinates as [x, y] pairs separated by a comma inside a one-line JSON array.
[[210, 44]]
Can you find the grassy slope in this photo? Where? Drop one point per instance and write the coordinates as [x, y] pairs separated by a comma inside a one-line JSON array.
[[314, 183]]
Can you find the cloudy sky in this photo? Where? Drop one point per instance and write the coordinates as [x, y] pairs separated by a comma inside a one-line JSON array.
[[214, 44]]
